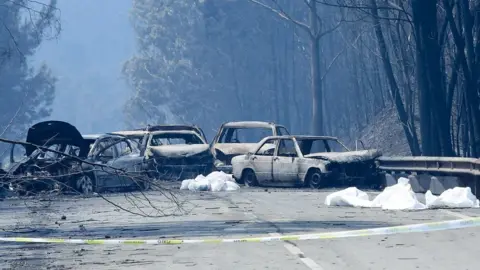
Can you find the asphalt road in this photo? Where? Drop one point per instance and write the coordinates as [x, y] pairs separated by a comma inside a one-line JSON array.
[[250, 212]]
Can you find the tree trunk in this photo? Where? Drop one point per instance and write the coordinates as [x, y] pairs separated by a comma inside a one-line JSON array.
[[402, 114], [317, 110], [434, 119]]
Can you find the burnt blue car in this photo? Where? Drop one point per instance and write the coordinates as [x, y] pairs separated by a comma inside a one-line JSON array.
[[114, 162], [173, 152]]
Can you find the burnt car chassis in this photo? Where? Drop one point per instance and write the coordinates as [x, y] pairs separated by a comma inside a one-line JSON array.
[[173, 153], [113, 162], [52, 151], [311, 161], [58, 157]]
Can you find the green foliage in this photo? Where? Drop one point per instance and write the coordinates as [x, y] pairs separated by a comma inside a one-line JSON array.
[[163, 73], [25, 94], [208, 62]]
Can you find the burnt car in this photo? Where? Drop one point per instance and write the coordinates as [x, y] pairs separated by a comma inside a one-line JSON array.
[[50, 166], [176, 127], [238, 138], [178, 155], [311, 161], [90, 139], [173, 153], [114, 162]]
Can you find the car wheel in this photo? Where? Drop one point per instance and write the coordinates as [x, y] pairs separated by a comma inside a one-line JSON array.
[[249, 178], [145, 184], [315, 179], [86, 184]]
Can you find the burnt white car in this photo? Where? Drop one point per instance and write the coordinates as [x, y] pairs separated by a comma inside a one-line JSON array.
[[311, 161], [238, 138]]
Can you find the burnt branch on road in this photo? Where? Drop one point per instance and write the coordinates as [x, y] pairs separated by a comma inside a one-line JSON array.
[[138, 200]]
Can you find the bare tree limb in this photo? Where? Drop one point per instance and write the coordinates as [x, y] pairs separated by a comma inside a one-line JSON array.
[[280, 12]]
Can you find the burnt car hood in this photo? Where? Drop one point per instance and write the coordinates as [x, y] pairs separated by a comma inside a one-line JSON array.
[[235, 148], [179, 150], [347, 157], [53, 132]]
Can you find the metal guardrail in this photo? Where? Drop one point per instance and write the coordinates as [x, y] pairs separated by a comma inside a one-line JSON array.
[[444, 165]]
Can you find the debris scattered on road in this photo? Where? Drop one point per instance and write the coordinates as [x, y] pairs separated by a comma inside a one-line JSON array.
[[401, 197], [456, 197], [398, 197], [215, 182], [351, 196]]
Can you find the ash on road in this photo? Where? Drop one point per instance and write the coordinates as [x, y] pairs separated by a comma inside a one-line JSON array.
[[250, 212]]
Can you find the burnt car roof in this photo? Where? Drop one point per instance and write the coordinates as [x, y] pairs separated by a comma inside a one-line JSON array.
[[249, 124], [92, 136], [130, 133], [305, 137], [170, 127], [176, 127], [54, 132]]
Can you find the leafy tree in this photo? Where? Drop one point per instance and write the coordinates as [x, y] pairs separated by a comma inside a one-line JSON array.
[[404, 72], [26, 94], [162, 75]]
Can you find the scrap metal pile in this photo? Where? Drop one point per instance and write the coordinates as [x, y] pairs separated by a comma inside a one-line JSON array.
[[56, 156]]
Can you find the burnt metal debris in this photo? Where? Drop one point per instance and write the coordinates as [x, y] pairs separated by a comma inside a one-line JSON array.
[[56, 155], [309, 161]]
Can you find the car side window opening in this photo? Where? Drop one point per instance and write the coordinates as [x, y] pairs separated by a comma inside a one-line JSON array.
[[319, 146], [281, 131], [286, 148], [105, 150], [268, 148], [49, 154], [74, 150], [335, 146], [107, 153], [123, 148], [18, 152]]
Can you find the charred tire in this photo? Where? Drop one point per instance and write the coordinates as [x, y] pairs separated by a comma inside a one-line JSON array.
[[145, 184], [315, 179], [86, 184], [249, 178]]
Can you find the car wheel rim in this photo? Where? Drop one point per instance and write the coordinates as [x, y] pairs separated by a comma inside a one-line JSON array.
[[86, 185], [316, 179], [249, 179], [146, 185]]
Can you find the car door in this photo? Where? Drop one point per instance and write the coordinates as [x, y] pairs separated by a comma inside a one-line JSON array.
[[130, 160], [262, 159], [285, 163], [105, 153]]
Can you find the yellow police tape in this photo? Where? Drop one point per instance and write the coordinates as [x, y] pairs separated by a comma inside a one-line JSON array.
[[424, 227]]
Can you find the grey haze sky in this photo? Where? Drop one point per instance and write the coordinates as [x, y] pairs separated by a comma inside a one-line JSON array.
[[87, 58]]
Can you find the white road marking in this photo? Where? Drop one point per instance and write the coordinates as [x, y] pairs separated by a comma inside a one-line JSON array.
[[297, 252], [235, 229], [291, 248], [455, 214]]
